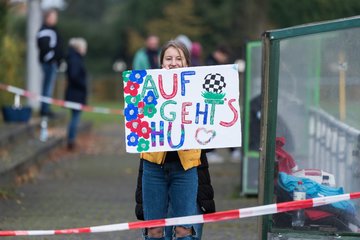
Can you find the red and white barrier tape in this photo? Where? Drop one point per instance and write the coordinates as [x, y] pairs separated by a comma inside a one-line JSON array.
[[205, 218], [59, 102]]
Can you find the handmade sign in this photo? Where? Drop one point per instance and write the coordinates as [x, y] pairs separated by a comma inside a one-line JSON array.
[[184, 108]]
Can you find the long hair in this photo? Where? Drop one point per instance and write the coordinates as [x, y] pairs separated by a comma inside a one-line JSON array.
[[180, 47]]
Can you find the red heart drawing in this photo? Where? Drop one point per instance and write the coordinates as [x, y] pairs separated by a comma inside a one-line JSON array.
[[204, 136]]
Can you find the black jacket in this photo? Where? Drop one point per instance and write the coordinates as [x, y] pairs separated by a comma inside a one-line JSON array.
[[255, 116], [205, 196], [76, 89], [50, 45], [210, 60]]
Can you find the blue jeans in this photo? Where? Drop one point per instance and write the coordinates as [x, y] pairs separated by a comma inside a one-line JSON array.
[[169, 183], [73, 125], [197, 227], [48, 85]]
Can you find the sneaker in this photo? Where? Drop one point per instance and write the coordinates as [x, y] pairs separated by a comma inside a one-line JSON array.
[[214, 157], [71, 146], [236, 156]]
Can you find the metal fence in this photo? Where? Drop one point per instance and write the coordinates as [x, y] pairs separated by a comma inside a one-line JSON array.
[[333, 146]]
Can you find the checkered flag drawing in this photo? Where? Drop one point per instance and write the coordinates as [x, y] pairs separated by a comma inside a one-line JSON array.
[[214, 83]]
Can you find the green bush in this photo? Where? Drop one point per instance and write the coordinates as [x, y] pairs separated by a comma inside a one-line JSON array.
[[11, 56], [3, 13], [11, 66]]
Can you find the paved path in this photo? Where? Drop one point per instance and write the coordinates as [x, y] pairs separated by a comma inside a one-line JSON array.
[[95, 186]]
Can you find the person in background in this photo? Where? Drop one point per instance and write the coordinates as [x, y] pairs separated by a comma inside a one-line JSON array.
[[185, 40], [148, 57], [196, 52], [76, 89], [50, 55], [221, 55]]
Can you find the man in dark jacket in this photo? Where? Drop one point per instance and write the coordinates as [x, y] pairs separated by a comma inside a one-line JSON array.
[[50, 55], [76, 89]]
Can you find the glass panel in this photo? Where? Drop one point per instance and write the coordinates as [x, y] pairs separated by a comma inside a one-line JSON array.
[[255, 70], [318, 126]]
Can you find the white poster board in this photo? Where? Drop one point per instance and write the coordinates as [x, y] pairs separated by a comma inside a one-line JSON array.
[[184, 108]]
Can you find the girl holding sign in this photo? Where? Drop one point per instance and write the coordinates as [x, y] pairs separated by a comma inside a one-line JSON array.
[[171, 177]]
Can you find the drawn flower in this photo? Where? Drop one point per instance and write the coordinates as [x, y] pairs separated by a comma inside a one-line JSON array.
[[150, 98], [150, 110], [144, 130], [133, 125], [141, 106], [137, 76], [143, 145], [130, 112], [131, 88], [126, 75], [133, 139], [132, 99]]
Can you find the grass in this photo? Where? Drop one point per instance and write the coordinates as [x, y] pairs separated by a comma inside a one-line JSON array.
[[7, 193], [352, 111], [99, 118]]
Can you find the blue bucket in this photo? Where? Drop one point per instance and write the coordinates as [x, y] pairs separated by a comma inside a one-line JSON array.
[[13, 114]]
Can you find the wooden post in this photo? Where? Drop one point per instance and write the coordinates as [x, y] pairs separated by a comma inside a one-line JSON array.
[[342, 86]]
